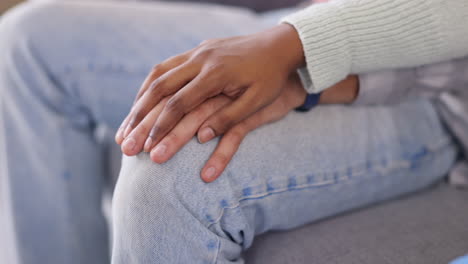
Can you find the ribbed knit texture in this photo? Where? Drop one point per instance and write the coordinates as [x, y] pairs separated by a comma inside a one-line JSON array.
[[355, 36]]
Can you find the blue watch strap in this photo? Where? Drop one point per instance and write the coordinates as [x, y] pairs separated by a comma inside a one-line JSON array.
[[310, 102]]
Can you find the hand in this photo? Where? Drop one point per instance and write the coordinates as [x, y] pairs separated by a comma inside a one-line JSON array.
[[252, 70], [291, 97]]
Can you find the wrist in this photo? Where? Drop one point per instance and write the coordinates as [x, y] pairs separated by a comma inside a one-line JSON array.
[[295, 94], [287, 47]]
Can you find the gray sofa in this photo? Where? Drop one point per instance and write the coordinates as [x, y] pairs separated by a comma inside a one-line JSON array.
[[423, 228]]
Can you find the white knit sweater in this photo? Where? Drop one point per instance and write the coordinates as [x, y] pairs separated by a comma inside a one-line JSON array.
[[356, 36]]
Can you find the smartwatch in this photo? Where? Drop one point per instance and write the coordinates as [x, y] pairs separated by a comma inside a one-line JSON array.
[[310, 102]]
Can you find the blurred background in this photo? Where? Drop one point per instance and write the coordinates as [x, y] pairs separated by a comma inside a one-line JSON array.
[[258, 5], [5, 4]]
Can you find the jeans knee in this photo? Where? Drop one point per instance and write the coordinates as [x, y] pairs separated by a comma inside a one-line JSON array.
[[140, 188], [144, 188], [162, 192], [149, 205]]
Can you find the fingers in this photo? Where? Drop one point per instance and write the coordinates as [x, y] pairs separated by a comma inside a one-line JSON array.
[[183, 102], [186, 129], [232, 139], [234, 113], [166, 85], [119, 136], [134, 142], [159, 70], [227, 147]]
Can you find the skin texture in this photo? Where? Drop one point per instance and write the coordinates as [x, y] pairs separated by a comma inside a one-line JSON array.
[[291, 97]]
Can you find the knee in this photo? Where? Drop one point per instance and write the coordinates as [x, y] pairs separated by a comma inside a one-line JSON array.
[[161, 201], [154, 192], [141, 187], [160, 192], [158, 206], [141, 201]]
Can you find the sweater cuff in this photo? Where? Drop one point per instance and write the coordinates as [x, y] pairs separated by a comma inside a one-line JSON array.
[[324, 39]]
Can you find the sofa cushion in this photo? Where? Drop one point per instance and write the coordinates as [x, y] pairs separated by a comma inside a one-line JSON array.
[[427, 227]]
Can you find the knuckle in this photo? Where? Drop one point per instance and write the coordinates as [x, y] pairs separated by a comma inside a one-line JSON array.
[[179, 58], [158, 69], [158, 84], [139, 115], [205, 52], [154, 132], [175, 104]]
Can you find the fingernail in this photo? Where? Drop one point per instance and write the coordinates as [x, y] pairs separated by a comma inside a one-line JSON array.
[[127, 131], [129, 144], [148, 144], [210, 173], [206, 134], [160, 150]]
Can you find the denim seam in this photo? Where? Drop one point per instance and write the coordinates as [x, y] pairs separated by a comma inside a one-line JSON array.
[[217, 250], [395, 165]]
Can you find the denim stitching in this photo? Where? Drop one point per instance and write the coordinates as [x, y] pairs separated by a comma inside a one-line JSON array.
[[395, 165]]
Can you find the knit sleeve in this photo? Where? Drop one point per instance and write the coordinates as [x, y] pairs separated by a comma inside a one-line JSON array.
[[357, 36]]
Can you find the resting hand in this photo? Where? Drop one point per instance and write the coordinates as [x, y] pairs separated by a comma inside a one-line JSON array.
[[252, 70], [184, 131], [291, 97]]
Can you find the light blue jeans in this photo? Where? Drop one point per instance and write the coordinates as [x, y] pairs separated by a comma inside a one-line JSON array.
[[68, 68]]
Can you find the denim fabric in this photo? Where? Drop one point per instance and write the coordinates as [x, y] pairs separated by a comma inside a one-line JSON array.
[[460, 260], [67, 68], [301, 169]]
